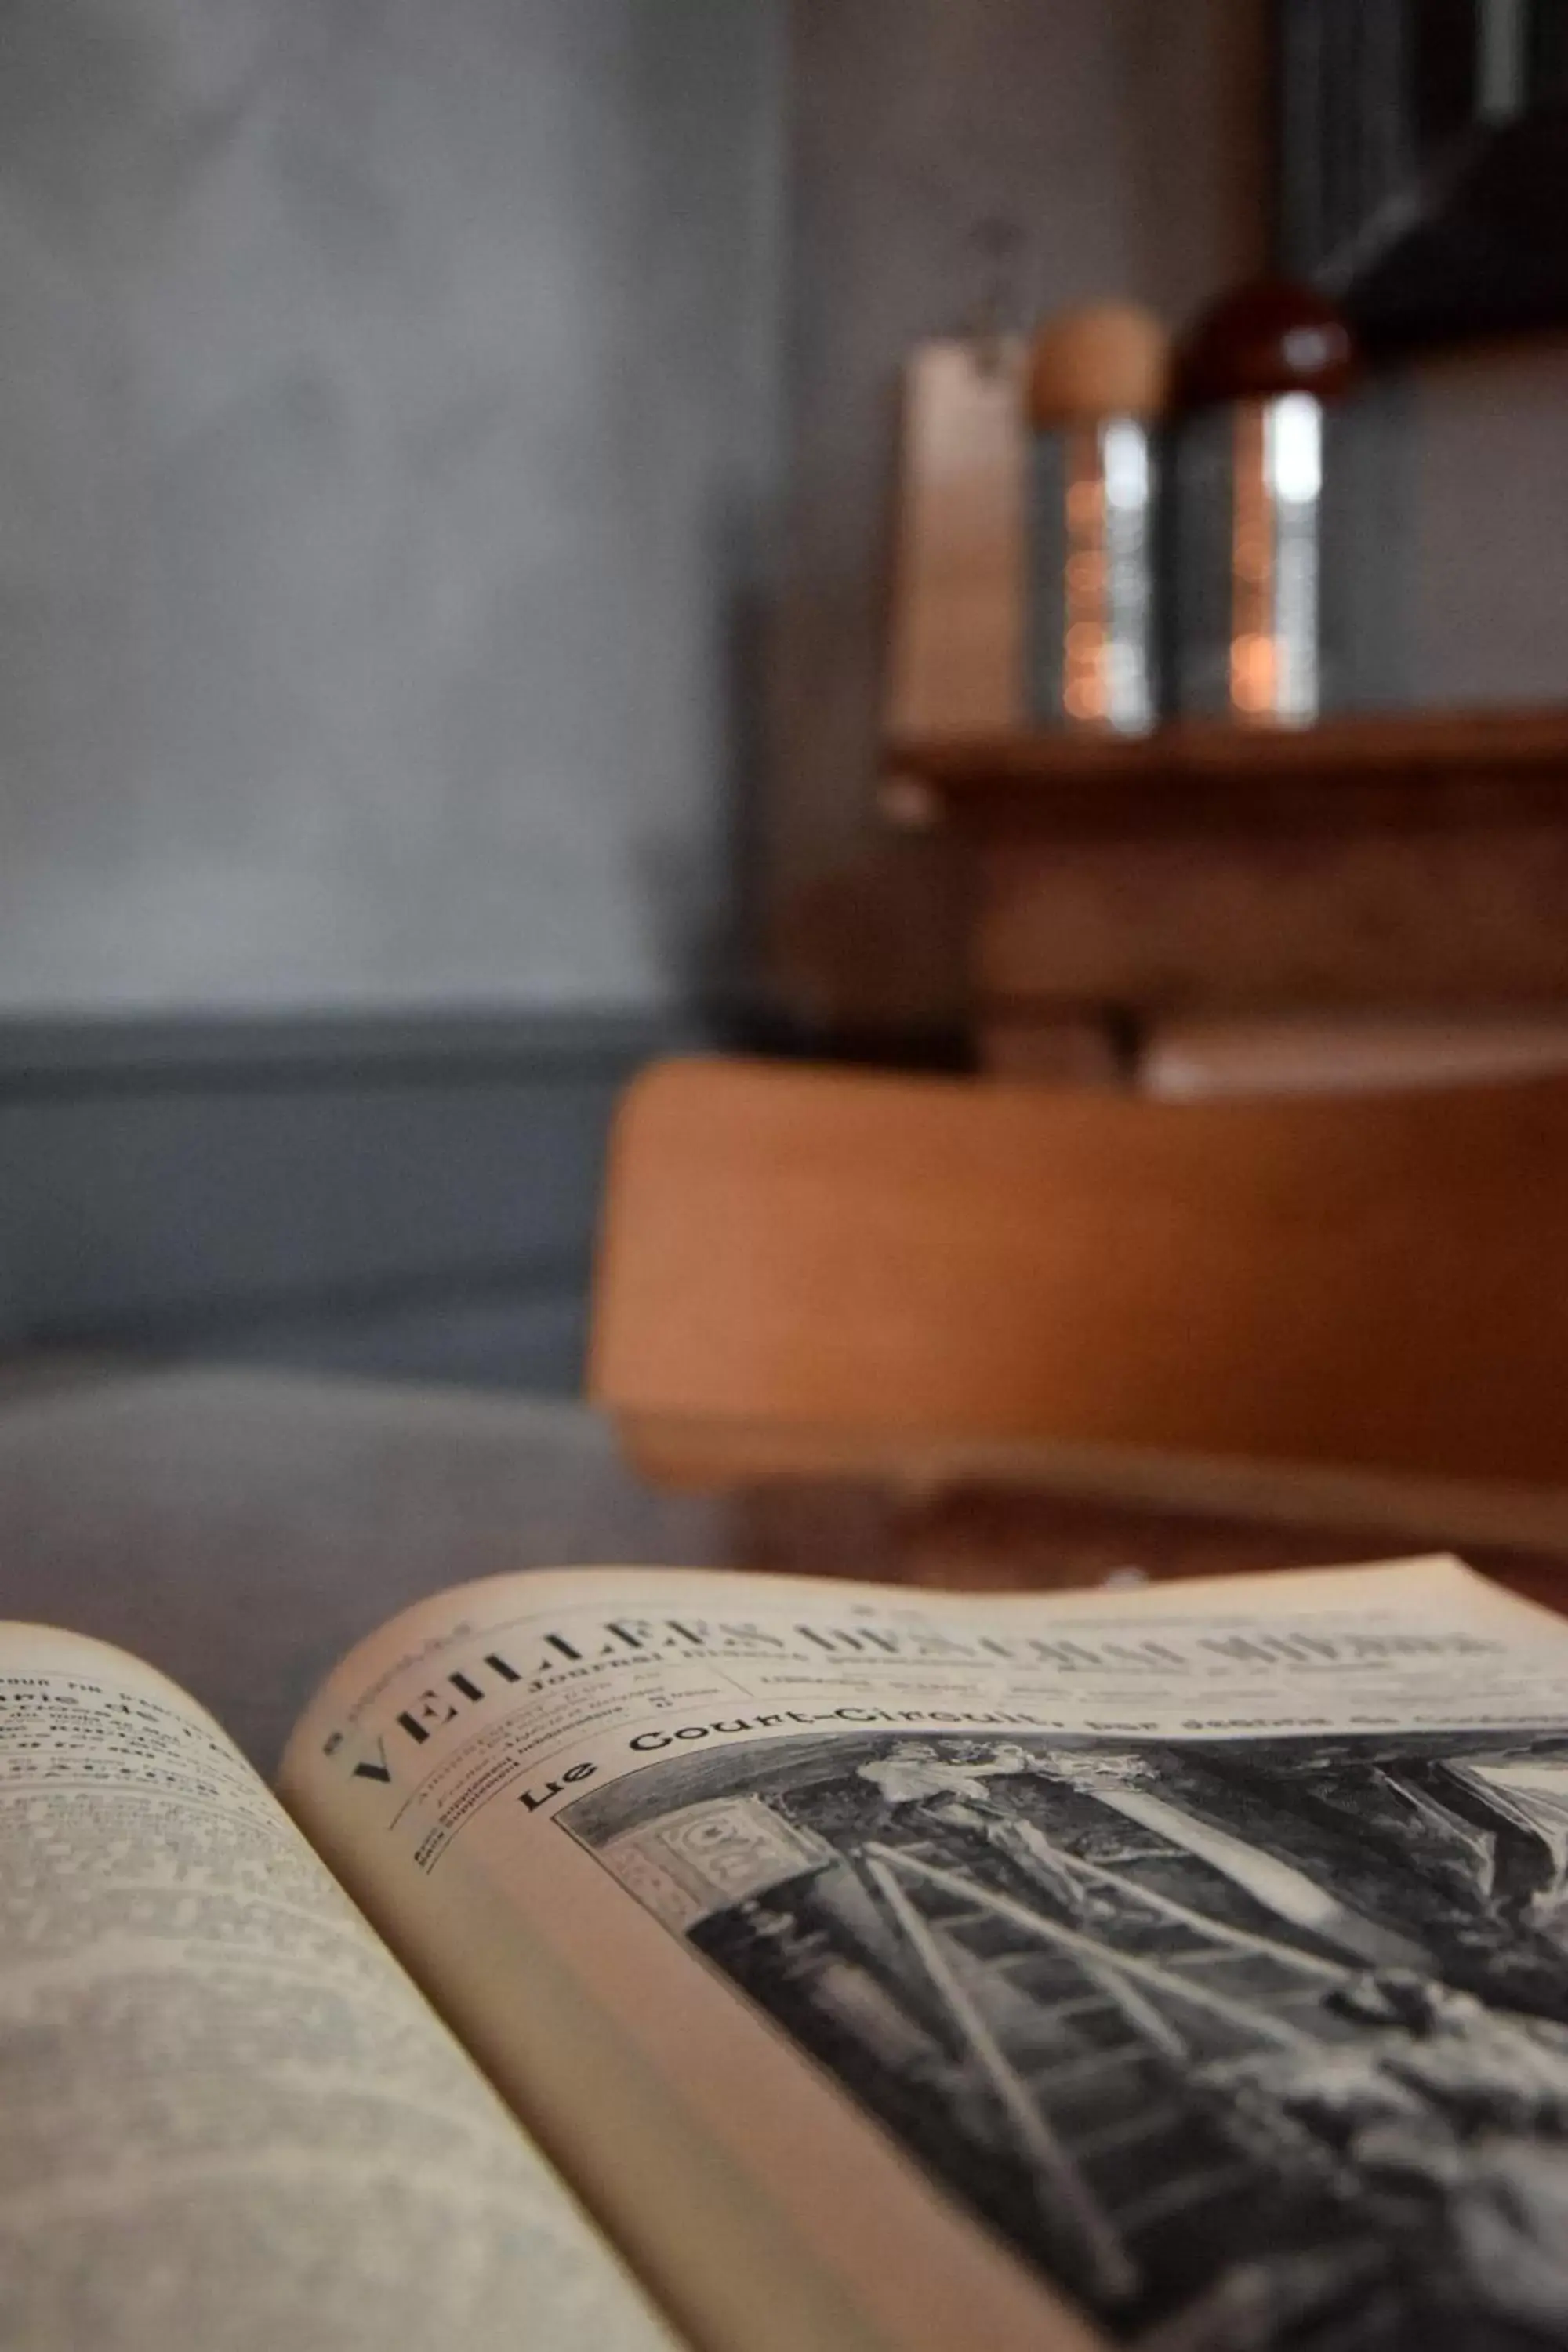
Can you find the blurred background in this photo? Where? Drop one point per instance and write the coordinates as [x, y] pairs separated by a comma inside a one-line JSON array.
[[455, 477]]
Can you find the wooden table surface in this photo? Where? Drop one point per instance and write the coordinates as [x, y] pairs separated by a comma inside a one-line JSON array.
[[240, 1529]]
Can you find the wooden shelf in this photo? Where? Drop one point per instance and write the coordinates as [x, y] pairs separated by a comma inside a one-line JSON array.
[[1384, 767]]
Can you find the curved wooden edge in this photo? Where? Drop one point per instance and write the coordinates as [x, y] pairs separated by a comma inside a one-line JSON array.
[[711, 1454], [1441, 744]]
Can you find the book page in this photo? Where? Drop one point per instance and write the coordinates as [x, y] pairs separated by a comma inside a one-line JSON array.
[[936, 1971], [227, 2119]]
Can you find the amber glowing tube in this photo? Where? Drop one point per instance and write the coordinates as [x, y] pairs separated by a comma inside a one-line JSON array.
[[1098, 382], [1255, 381]]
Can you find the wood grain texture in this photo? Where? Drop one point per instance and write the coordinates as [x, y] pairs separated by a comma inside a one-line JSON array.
[[1169, 919], [1055, 1046], [1388, 861], [1376, 1283], [956, 628], [980, 772]]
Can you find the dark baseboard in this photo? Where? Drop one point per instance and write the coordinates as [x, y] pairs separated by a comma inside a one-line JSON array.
[[406, 1194], [152, 1053]]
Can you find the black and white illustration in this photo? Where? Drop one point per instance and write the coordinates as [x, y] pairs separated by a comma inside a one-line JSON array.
[[1256, 2044]]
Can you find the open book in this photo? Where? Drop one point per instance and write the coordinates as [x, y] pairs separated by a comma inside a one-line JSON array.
[[803, 1967]]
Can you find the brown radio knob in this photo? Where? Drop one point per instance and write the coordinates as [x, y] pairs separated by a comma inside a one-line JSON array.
[[1265, 338], [1106, 359]]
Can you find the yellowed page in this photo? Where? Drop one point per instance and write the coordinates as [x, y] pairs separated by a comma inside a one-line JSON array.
[[227, 2119], [790, 1914]]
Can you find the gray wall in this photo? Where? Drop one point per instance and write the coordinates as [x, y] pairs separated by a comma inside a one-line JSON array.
[[387, 434], [1487, 528]]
